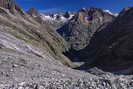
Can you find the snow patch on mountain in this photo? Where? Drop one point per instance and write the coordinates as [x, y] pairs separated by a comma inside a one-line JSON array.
[[55, 17], [108, 11]]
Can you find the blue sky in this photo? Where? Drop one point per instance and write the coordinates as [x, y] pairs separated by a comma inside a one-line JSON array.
[[74, 5]]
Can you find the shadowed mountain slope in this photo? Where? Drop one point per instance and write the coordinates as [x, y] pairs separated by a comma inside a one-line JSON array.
[[79, 30], [111, 48]]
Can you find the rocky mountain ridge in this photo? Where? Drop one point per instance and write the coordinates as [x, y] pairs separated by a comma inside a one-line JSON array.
[[112, 46], [56, 19], [81, 28]]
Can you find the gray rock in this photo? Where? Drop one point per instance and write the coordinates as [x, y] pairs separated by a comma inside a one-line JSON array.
[[111, 48], [79, 30]]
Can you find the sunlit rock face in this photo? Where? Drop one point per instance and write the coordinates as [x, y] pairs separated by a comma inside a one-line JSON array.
[[8, 4], [11, 6], [5, 3], [79, 30]]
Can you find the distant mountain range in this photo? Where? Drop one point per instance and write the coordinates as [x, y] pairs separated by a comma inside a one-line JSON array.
[[59, 17]]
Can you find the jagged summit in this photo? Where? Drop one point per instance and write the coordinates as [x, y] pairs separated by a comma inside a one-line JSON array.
[[11, 6], [79, 30], [108, 11], [111, 48], [97, 9], [54, 19], [6, 3], [33, 12]]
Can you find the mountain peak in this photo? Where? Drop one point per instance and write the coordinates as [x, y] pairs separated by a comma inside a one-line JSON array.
[[109, 12], [11, 6], [6, 3], [33, 12]]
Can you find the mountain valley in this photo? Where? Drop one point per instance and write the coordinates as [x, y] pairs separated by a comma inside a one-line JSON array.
[[88, 49]]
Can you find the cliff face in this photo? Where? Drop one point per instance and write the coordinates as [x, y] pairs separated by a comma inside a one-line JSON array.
[[5, 3], [111, 48], [11, 6], [79, 30], [35, 44]]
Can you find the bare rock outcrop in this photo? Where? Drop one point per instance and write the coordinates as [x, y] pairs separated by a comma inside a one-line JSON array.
[[111, 48], [79, 30], [11, 6]]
